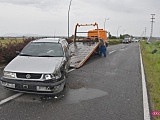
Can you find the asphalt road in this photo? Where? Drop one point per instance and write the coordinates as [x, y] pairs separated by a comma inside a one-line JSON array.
[[103, 89]]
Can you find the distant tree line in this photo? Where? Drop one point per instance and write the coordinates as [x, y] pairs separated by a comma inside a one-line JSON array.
[[121, 36], [2, 38]]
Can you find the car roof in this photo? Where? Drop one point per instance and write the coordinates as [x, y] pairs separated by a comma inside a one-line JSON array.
[[55, 40]]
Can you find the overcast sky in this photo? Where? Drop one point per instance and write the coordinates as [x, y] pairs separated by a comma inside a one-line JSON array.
[[50, 17]]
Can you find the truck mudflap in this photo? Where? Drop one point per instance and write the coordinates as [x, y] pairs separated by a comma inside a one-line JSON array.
[[81, 51]]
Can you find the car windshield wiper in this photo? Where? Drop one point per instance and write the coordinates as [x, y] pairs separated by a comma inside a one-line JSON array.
[[25, 54], [48, 56]]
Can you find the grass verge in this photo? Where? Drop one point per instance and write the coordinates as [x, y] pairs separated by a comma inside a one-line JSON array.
[[151, 63], [9, 47], [114, 41]]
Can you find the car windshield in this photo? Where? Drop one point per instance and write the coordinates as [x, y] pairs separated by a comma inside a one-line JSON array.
[[43, 49]]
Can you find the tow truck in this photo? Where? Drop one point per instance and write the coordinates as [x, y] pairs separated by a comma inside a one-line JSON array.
[[82, 48]]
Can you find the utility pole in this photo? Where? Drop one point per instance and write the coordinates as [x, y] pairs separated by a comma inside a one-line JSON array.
[[152, 21], [118, 30], [105, 22], [68, 15], [145, 32]]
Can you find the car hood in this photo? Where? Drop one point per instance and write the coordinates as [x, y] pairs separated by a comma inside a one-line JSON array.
[[25, 64]]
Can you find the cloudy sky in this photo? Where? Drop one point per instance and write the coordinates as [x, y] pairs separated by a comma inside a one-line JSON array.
[[50, 17]]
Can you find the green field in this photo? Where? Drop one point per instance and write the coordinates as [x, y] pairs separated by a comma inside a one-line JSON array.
[[152, 71], [7, 41]]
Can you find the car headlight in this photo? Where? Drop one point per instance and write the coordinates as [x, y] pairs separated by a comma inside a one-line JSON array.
[[48, 77], [9, 74], [57, 74]]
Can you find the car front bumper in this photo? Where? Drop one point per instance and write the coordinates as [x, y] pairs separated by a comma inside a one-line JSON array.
[[36, 87]]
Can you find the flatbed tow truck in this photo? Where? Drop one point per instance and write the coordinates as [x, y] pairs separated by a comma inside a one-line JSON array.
[[82, 49]]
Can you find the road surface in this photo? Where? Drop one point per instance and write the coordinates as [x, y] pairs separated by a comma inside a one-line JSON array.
[[103, 89]]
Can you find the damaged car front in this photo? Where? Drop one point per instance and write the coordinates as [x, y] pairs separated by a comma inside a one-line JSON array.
[[41, 67]]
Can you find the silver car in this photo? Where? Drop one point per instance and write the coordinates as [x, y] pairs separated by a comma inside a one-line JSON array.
[[41, 67], [126, 40]]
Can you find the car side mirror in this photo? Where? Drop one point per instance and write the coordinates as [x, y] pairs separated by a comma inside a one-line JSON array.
[[17, 52]]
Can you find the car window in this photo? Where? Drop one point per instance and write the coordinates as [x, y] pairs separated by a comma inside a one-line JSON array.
[[42, 49]]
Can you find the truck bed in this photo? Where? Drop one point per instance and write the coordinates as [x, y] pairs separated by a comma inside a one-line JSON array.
[[81, 51]]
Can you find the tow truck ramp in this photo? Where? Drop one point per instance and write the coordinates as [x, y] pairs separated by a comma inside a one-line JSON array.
[[81, 51]]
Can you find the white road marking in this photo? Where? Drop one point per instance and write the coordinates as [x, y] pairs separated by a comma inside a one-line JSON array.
[[10, 98], [71, 70], [145, 96], [112, 51], [123, 47]]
